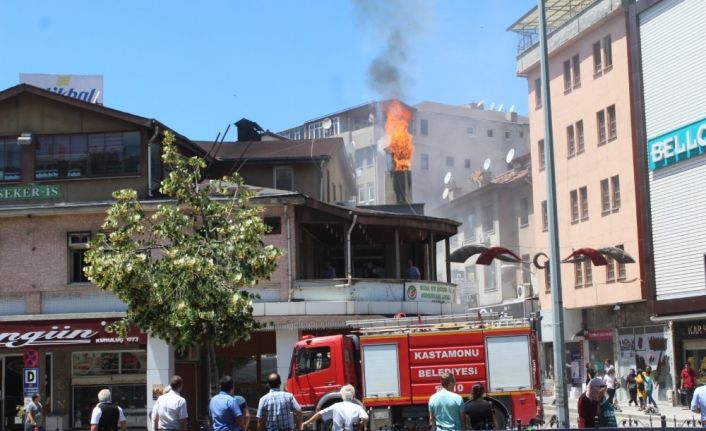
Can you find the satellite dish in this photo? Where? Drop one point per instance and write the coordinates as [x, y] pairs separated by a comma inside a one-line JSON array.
[[447, 177], [486, 164], [512, 108], [500, 108], [326, 123], [510, 155], [445, 193], [481, 103], [492, 106]]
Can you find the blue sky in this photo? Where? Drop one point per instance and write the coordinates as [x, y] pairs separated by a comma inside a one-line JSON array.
[[199, 65]]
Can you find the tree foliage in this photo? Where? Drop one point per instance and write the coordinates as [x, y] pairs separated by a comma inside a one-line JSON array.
[[181, 268]]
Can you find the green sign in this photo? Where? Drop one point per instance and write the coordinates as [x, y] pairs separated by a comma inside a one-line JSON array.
[[31, 191], [428, 292]]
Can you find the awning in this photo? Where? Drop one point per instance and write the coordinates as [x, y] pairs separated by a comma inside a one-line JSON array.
[[325, 321], [678, 318], [462, 254]]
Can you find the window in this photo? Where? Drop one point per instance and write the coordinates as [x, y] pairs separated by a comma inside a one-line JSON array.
[[615, 195], [369, 155], [489, 279], [10, 160], [541, 155], [597, 65], [605, 197], [87, 155], [425, 162], [578, 275], [424, 127], [567, 76], [507, 135], [275, 225], [361, 194], [570, 142], [607, 53], [621, 267], [615, 270], [283, 178], [612, 125], [78, 243], [311, 360], [576, 63], [371, 192], [547, 279], [467, 163], [359, 157], [470, 130], [524, 212], [580, 145], [610, 270], [487, 214], [449, 161], [574, 206], [600, 124], [522, 134], [587, 273], [537, 93], [545, 221], [583, 198], [490, 133], [526, 270]]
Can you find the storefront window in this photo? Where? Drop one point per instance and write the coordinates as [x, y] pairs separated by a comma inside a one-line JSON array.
[[695, 352], [268, 365], [132, 399], [245, 370], [643, 346], [108, 363]]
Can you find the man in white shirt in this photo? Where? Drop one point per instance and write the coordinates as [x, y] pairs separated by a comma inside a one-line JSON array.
[[171, 414], [106, 416], [346, 415]]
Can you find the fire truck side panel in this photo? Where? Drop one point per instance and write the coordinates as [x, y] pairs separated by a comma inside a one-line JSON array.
[[441, 338], [524, 406], [385, 370]]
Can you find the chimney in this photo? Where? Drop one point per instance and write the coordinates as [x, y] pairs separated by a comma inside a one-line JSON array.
[[248, 130], [398, 187]]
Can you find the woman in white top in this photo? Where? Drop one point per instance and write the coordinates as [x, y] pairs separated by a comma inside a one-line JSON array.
[[610, 381]]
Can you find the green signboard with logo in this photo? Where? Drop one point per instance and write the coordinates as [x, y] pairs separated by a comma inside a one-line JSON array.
[[30, 191], [429, 292]]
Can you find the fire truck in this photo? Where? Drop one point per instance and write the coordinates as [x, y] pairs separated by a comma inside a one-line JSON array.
[[395, 365]]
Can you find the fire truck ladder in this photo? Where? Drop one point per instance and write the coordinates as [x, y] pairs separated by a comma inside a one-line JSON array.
[[435, 323]]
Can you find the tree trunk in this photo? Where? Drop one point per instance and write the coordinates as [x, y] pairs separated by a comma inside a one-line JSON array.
[[212, 368]]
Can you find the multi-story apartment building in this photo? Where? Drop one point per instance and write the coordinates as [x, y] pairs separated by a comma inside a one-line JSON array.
[[597, 186], [670, 125], [468, 141]]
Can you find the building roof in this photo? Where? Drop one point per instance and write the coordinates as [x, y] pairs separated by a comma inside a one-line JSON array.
[[558, 12], [470, 111], [305, 149], [99, 109]]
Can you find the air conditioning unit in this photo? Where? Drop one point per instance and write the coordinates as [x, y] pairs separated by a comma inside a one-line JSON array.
[[79, 240], [524, 291]]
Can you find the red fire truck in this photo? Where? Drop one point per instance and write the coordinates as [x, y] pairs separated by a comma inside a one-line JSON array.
[[395, 365]]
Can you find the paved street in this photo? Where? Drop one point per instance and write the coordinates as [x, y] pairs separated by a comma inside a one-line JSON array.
[[630, 416]]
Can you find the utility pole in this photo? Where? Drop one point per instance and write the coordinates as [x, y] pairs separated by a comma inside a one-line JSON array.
[[560, 395]]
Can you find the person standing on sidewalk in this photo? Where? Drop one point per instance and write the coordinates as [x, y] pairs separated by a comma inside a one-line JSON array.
[[225, 409], [445, 406], [640, 385], [34, 420], [171, 414], [698, 403], [610, 380], [589, 403], [649, 387], [631, 387], [345, 416], [275, 407], [688, 382]]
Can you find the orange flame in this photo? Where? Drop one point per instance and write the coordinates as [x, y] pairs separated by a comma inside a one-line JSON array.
[[399, 140]]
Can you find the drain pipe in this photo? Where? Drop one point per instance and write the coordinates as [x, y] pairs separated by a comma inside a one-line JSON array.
[[289, 253], [349, 259], [149, 158]]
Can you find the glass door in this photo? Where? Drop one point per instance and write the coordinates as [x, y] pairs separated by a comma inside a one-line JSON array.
[[11, 387]]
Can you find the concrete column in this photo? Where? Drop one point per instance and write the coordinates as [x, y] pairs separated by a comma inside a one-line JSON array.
[[284, 341], [160, 368]]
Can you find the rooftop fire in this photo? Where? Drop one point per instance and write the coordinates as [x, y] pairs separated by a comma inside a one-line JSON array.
[[399, 140]]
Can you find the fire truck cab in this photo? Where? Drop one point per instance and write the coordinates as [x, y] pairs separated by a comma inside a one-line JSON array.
[[396, 364]]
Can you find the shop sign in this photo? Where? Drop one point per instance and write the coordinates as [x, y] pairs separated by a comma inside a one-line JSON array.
[[88, 88], [30, 381], [696, 329], [677, 145], [429, 292], [599, 334], [64, 333], [31, 191]]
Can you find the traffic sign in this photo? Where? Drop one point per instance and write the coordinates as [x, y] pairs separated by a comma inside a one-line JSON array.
[[30, 380]]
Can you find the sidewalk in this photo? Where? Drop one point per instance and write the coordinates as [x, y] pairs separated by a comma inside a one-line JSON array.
[[676, 416]]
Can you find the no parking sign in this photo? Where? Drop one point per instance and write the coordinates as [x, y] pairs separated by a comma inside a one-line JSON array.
[[30, 380]]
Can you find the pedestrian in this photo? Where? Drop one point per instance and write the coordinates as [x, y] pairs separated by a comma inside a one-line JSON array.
[[590, 373], [275, 408], [413, 272], [688, 382], [225, 409], [171, 414], [34, 421], [649, 387], [156, 403], [640, 384], [345, 416], [698, 403], [479, 412], [610, 381], [589, 403], [106, 416], [631, 386], [606, 410], [446, 407]]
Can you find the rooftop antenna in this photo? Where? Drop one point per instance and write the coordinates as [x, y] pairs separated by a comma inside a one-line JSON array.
[[510, 156]]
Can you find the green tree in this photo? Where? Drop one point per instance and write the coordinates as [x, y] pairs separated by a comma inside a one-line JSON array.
[[181, 268]]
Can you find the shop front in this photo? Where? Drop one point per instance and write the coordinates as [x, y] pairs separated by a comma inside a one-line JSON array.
[[72, 361], [690, 346], [643, 346]]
